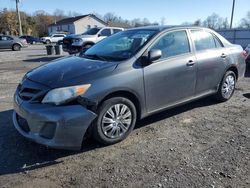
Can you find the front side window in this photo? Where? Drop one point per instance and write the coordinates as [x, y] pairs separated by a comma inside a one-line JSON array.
[[5, 38], [204, 40], [121, 46], [173, 44], [105, 32], [92, 31]]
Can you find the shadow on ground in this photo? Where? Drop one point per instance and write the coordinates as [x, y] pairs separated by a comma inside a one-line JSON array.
[[20, 155]]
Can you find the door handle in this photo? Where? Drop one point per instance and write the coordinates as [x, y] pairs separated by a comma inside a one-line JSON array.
[[190, 63], [223, 55]]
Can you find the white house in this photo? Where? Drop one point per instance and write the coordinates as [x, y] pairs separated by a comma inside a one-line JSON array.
[[76, 25]]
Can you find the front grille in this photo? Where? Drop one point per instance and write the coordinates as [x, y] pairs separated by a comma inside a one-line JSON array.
[[23, 124], [67, 42], [31, 91]]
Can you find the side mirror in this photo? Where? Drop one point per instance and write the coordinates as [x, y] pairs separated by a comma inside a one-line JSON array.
[[99, 35], [154, 55]]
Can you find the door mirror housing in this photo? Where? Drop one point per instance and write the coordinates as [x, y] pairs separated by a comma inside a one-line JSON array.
[[99, 35], [154, 55]]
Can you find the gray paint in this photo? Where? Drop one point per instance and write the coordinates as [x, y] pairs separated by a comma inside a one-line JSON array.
[[157, 86]]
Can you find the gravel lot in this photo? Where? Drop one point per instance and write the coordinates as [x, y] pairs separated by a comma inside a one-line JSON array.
[[201, 144]]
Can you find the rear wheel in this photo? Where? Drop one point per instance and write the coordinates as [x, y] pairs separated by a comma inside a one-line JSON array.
[[47, 42], [227, 87], [116, 119], [16, 47]]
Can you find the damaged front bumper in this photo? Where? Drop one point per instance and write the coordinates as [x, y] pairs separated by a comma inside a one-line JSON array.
[[61, 127]]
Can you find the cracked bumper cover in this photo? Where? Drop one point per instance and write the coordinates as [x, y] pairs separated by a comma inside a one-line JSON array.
[[61, 127]]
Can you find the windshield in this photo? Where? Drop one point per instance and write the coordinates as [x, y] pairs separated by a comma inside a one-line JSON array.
[[92, 31], [120, 46]]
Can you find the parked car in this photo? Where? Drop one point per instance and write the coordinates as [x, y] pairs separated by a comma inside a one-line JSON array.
[[121, 79], [54, 38], [30, 39], [75, 43], [247, 50], [12, 42]]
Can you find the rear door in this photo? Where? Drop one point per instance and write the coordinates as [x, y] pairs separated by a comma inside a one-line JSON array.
[[211, 60], [171, 78]]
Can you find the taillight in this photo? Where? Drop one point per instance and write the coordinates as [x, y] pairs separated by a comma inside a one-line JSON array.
[[244, 53]]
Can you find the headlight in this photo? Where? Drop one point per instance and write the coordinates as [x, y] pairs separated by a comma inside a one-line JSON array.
[[62, 95], [77, 40]]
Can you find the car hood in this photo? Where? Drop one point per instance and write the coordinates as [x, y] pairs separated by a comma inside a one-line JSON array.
[[80, 36], [72, 70]]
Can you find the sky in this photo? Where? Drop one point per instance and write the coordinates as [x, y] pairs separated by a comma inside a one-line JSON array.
[[175, 11]]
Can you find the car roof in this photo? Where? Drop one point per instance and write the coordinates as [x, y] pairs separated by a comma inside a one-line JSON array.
[[166, 27]]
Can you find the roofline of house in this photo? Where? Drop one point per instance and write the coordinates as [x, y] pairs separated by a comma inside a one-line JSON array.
[[88, 15]]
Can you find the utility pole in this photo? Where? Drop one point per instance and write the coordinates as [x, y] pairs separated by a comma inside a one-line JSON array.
[[232, 15], [19, 18]]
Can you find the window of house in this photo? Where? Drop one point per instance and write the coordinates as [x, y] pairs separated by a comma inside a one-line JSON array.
[[173, 44]]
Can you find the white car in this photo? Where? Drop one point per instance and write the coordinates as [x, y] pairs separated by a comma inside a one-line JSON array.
[[75, 43], [54, 38]]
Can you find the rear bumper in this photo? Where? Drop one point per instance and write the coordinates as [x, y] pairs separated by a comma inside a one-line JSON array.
[[61, 127]]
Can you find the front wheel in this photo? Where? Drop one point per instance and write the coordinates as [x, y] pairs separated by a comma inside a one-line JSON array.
[[16, 47], [116, 119], [227, 87]]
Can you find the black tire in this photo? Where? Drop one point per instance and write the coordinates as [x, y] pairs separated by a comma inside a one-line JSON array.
[[16, 47], [219, 95], [97, 129], [47, 42], [86, 46]]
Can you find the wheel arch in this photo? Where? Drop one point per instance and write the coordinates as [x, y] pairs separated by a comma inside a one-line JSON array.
[[88, 43], [126, 94], [233, 69]]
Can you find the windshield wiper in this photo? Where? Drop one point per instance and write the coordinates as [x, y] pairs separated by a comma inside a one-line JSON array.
[[95, 56]]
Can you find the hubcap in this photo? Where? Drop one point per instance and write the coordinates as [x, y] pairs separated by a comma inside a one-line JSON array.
[[116, 121], [228, 87]]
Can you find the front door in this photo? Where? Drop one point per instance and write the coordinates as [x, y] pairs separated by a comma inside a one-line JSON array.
[[172, 78]]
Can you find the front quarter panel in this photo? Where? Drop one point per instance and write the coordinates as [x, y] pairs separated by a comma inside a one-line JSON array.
[[127, 77]]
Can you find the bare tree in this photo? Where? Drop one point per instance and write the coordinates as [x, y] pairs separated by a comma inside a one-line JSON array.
[[245, 22], [198, 22], [58, 15], [214, 21], [110, 17]]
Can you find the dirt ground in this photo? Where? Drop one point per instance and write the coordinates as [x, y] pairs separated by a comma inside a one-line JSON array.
[[201, 144]]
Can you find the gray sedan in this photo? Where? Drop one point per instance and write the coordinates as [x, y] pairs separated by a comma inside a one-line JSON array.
[[12, 42], [126, 77]]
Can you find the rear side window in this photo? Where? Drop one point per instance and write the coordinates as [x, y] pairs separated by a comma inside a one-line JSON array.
[[106, 32], [173, 44], [218, 42], [204, 40], [116, 30], [58, 36]]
